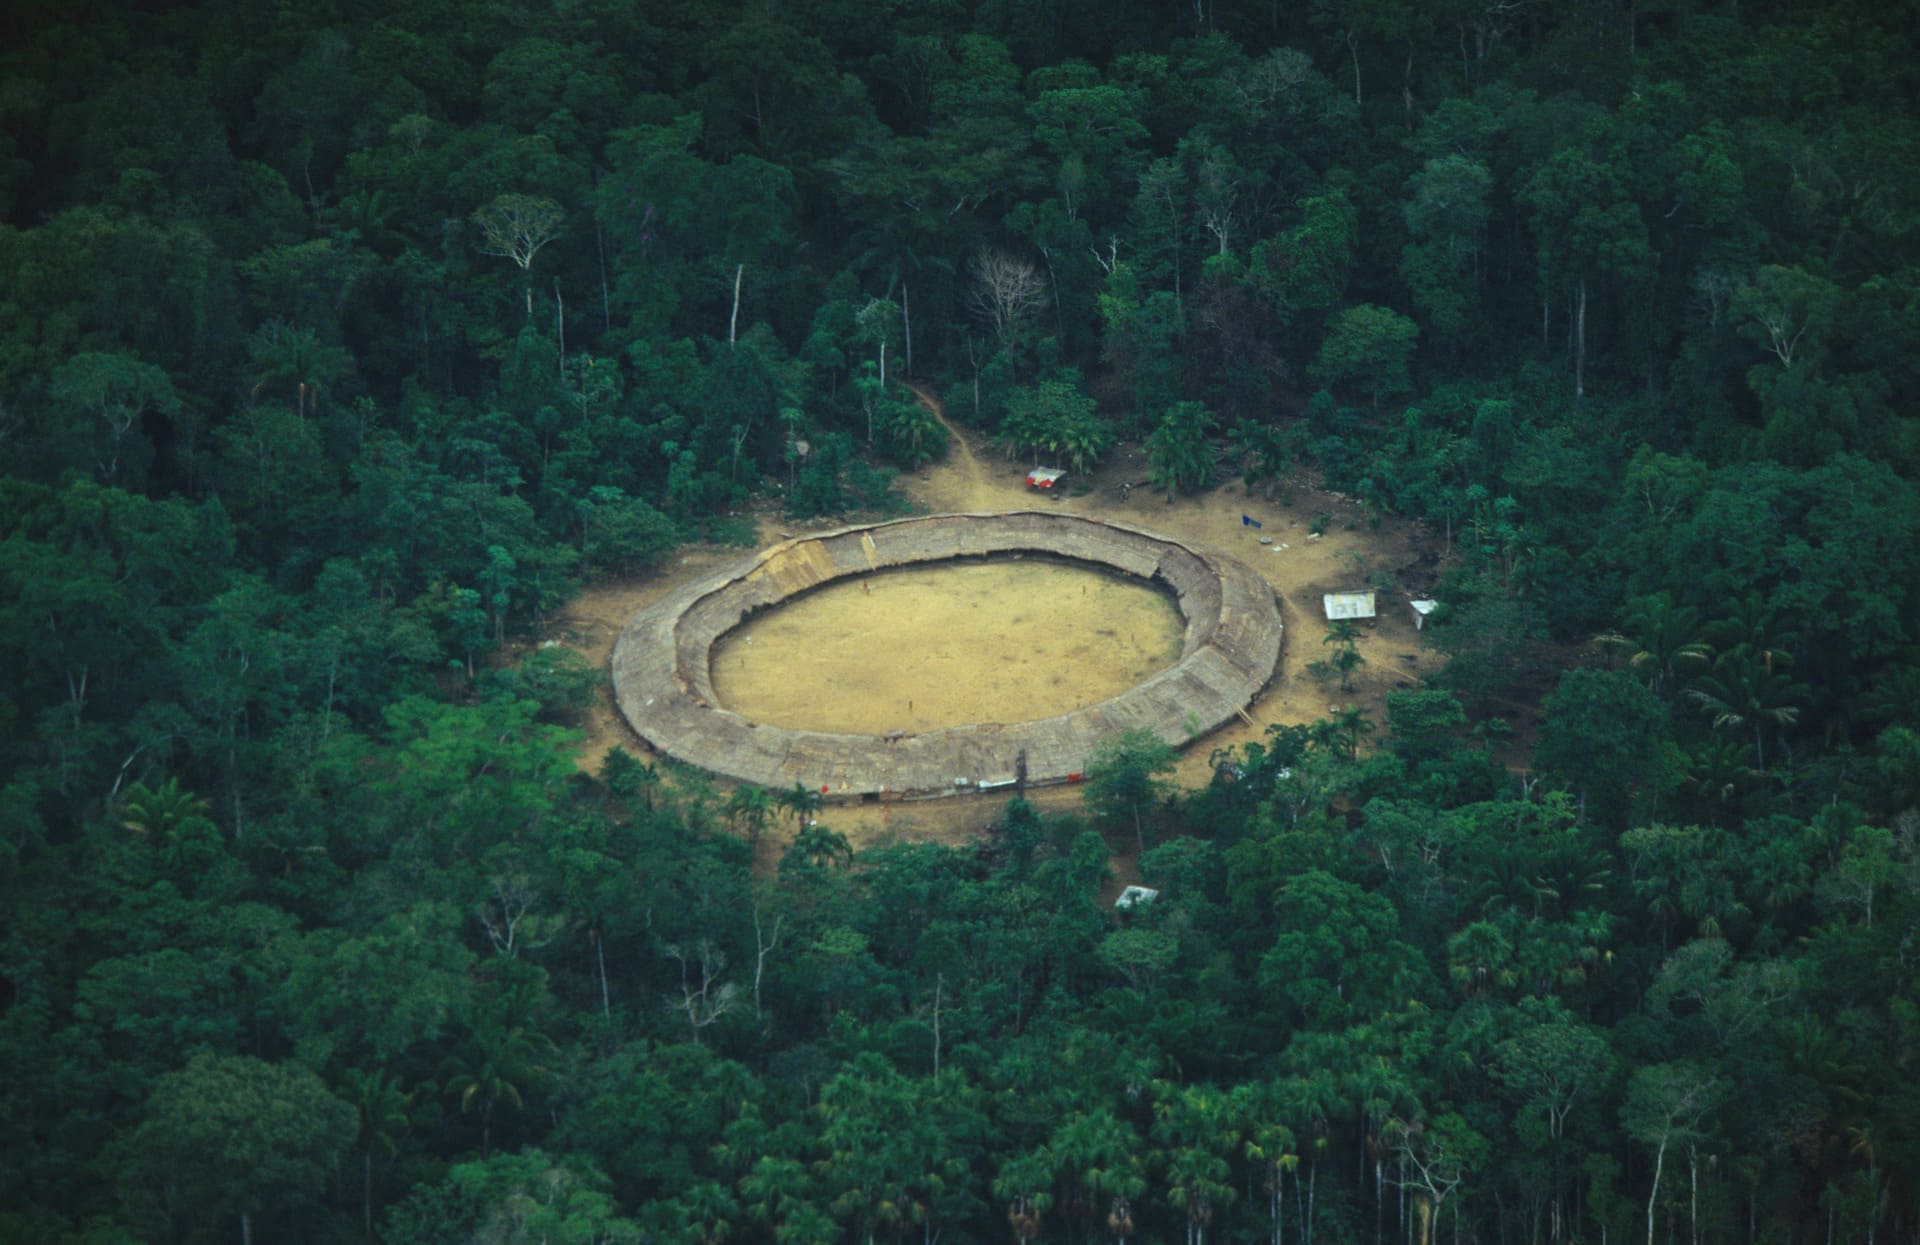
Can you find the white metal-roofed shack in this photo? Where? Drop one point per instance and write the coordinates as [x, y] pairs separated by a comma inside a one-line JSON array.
[[1347, 605]]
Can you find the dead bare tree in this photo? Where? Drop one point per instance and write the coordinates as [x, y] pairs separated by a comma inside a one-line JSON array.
[[703, 996], [765, 943], [1003, 293], [508, 916]]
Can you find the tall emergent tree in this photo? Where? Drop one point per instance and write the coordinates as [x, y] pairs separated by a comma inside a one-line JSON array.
[[515, 227]]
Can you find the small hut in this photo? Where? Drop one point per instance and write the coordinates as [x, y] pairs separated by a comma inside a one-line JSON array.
[[1348, 605]]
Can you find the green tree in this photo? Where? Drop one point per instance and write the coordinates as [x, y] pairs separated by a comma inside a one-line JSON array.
[[1743, 692], [1346, 659], [383, 1122], [1055, 419], [1304, 270], [1198, 1127], [1098, 1154], [1665, 1106], [1337, 956], [107, 395], [291, 361], [499, 1059], [175, 822], [229, 1139], [1369, 347], [1179, 454], [1447, 211], [1440, 1154], [1124, 779], [1609, 735], [518, 227]]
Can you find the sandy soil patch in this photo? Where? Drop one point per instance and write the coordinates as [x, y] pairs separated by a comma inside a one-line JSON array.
[[925, 647]]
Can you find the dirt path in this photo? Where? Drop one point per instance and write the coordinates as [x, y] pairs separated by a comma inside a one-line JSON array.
[[1308, 542], [971, 476]]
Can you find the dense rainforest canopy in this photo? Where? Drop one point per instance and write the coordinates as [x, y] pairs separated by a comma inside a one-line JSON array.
[[340, 342]]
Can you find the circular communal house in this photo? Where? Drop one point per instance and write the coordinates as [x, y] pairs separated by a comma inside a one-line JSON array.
[[662, 667]]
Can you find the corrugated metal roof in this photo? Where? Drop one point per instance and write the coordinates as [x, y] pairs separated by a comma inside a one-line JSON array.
[[1341, 605]]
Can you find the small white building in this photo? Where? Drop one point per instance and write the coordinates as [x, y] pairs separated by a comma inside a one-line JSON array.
[[1135, 897], [1343, 605], [1420, 611]]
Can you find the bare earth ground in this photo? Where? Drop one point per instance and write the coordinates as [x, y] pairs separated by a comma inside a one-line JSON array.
[[926, 647], [1353, 553]]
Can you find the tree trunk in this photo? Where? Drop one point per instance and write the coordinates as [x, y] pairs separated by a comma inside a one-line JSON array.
[[1379, 1201], [1659, 1163], [560, 327], [246, 1227], [1277, 1205], [600, 957], [366, 1191], [906, 324], [974, 363], [1313, 1176], [1580, 345], [733, 321], [606, 298], [939, 989], [1693, 1195]]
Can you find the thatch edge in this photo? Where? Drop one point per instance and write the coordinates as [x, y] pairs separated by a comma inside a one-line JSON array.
[[662, 677]]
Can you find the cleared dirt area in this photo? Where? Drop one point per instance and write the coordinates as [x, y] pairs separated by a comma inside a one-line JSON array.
[[920, 648], [1351, 550]]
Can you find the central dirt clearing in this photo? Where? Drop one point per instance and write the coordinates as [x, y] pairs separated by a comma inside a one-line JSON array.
[[926, 647], [1354, 551]]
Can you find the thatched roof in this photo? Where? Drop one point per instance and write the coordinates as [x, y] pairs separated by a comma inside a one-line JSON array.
[[663, 677]]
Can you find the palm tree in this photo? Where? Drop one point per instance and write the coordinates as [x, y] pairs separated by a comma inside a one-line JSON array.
[[1023, 1184], [819, 847], [1719, 769], [495, 1063], [628, 777], [748, 810], [800, 803], [383, 1121], [1262, 452], [1745, 690], [1179, 456], [1271, 1145], [776, 1192], [709, 1211], [289, 359], [1346, 658], [1754, 628], [1666, 641], [1197, 1126], [1310, 1102], [1351, 725], [153, 813], [1099, 1155], [173, 820]]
